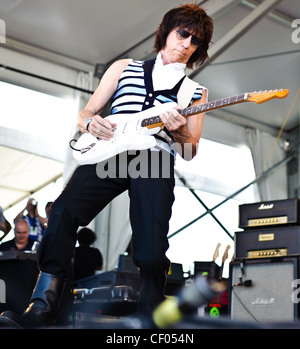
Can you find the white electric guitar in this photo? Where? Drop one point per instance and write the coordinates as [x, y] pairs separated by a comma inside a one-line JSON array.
[[136, 131]]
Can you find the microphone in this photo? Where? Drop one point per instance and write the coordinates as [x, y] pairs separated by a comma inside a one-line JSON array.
[[246, 283], [242, 268], [199, 293]]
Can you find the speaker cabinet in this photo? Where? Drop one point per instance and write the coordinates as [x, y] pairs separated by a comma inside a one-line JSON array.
[[270, 297]]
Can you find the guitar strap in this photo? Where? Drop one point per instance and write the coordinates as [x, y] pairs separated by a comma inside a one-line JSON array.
[[186, 92]]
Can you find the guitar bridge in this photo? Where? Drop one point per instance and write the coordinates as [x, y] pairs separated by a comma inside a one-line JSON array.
[[89, 147]]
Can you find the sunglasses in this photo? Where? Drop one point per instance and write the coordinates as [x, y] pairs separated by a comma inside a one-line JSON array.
[[184, 34]]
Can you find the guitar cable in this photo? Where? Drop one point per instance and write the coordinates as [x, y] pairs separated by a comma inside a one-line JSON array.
[[82, 150], [70, 144], [242, 304]]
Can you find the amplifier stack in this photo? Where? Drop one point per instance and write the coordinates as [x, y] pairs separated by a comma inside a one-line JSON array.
[[266, 262]]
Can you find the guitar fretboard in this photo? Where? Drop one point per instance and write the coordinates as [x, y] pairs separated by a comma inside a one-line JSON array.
[[219, 103]]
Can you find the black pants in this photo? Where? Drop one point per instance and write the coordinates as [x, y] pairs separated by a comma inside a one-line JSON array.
[[86, 195]]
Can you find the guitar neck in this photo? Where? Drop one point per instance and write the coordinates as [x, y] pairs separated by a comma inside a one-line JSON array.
[[257, 97], [155, 121], [219, 103]]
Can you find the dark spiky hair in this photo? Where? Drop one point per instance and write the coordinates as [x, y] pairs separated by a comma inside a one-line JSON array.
[[192, 18]]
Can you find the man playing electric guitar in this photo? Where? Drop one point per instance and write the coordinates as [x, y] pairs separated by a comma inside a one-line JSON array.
[[182, 40]]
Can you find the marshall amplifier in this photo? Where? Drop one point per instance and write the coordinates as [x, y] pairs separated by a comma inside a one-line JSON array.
[[269, 213], [268, 242], [263, 290]]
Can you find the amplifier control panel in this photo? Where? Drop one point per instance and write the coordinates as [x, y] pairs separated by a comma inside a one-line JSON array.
[[279, 252], [267, 221]]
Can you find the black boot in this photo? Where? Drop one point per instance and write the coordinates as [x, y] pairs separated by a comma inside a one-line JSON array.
[[9, 319], [43, 309]]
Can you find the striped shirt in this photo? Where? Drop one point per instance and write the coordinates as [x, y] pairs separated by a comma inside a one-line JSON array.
[[135, 93]]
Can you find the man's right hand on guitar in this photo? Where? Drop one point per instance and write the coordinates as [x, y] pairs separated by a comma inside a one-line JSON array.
[[101, 127]]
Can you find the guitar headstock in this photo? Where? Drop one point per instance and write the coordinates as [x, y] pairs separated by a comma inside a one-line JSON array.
[[216, 254], [264, 96], [225, 255]]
